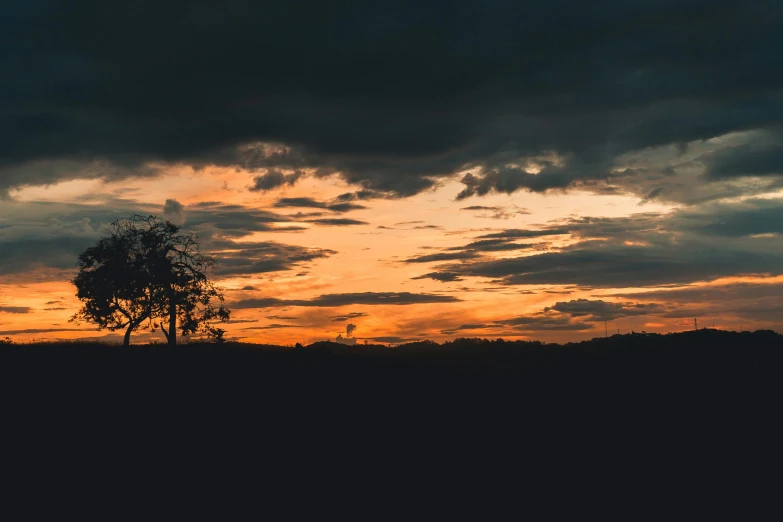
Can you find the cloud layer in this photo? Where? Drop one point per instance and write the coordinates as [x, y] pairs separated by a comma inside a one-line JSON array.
[[718, 240], [321, 147], [362, 298], [392, 96]]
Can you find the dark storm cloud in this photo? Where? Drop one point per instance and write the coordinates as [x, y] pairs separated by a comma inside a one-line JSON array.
[[244, 258], [695, 294], [609, 264], [470, 327], [15, 309], [43, 330], [45, 171], [174, 211], [472, 251], [754, 301], [515, 233], [302, 202], [273, 326], [720, 240], [347, 317], [764, 159], [542, 321], [440, 276], [52, 235], [273, 179], [711, 220], [337, 222], [492, 245], [359, 195], [559, 317], [600, 310], [508, 180], [443, 256], [748, 218], [41, 248], [37, 235], [392, 96], [332, 300], [763, 309], [299, 203], [235, 220]]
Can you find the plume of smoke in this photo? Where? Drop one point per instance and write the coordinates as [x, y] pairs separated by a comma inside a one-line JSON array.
[[349, 329], [174, 211]]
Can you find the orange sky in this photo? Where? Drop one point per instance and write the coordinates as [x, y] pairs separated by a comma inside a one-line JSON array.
[[496, 169], [367, 258]]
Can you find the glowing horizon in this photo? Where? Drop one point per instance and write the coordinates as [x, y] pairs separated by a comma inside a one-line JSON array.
[[361, 258], [492, 169]]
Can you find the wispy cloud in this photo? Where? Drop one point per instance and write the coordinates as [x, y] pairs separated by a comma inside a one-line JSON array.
[[362, 298]]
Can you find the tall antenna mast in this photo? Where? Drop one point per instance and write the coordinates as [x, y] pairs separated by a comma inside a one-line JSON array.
[[695, 324]]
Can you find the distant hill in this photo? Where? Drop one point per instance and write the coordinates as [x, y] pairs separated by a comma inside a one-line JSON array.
[[652, 405], [707, 346]]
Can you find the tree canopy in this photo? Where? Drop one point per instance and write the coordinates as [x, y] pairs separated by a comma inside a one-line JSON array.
[[147, 273]]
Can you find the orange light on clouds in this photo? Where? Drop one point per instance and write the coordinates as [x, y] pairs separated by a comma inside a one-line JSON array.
[[368, 257]]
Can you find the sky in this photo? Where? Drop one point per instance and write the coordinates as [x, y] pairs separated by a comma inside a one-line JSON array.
[[419, 170]]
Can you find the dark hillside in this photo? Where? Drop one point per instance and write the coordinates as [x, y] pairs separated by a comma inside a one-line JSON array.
[[644, 362], [654, 412]]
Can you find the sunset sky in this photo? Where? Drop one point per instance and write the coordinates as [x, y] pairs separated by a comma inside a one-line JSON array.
[[421, 170]]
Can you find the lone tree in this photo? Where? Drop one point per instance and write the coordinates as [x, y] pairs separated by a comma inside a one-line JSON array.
[[148, 274]]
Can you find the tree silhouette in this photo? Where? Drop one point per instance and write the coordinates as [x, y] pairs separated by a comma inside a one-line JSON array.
[[147, 270], [113, 283]]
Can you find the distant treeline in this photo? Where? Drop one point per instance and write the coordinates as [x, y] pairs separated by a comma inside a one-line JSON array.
[[698, 345]]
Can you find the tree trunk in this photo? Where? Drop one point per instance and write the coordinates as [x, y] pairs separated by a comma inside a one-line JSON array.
[[131, 326], [126, 340], [172, 336]]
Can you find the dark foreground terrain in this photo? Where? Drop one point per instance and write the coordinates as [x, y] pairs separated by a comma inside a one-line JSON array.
[[650, 363], [681, 415]]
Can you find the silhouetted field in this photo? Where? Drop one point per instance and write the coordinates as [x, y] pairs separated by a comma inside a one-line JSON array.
[[660, 409], [652, 364], [707, 346]]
